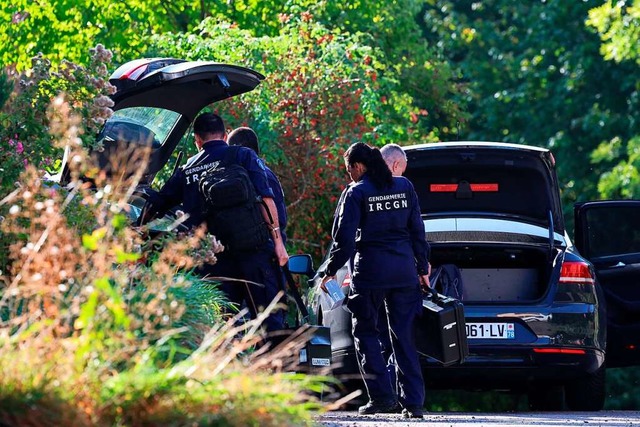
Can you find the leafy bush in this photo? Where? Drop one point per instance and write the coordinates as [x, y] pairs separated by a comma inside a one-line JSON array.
[[94, 333], [324, 91], [27, 135]]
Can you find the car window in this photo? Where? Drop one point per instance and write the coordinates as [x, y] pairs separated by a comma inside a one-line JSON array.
[[603, 241], [146, 125]]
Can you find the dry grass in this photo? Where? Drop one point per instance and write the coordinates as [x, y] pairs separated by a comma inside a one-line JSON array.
[[92, 336]]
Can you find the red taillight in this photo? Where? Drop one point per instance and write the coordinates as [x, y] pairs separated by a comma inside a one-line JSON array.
[[134, 72], [576, 272], [559, 351], [452, 188], [346, 282]]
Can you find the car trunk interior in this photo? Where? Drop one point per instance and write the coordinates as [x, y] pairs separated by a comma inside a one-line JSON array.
[[498, 273]]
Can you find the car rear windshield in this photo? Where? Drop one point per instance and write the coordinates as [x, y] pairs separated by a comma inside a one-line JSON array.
[[475, 189], [140, 125]]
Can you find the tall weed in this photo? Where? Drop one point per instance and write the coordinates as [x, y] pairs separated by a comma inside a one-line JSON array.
[[94, 332]]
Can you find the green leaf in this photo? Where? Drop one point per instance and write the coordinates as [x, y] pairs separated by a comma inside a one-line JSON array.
[[115, 304], [87, 312], [119, 221], [124, 257], [91, 241]]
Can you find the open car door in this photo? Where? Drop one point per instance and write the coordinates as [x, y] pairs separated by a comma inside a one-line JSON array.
[[156, 100], [607, 233]]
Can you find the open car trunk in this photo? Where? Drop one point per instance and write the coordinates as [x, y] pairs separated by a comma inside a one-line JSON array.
[[497, 273], [494, 212]]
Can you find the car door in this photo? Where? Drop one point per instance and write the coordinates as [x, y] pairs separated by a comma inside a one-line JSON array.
[[183, 87], [608, 234], [169, 93]]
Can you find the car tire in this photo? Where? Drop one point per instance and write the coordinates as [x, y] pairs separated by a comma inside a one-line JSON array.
[[587, 393], [546, 398]]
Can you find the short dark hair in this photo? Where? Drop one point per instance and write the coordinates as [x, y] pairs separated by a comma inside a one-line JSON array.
[[209, 124], [245, 137]]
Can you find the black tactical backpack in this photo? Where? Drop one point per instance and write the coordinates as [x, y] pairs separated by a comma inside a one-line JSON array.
[[232, 206]]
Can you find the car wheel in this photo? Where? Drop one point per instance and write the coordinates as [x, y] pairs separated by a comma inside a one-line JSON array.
[[587, 393], [546, 398]]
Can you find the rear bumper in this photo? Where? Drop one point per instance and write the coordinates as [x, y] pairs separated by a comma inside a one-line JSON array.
[[512, 369], [493, 368]]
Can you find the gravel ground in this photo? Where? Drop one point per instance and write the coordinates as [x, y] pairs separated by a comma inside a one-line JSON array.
[[458, 419]]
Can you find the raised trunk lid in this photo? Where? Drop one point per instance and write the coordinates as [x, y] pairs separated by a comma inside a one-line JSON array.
[[486, 180]]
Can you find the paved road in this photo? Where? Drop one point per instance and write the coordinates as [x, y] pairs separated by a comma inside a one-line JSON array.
[[460, 419]]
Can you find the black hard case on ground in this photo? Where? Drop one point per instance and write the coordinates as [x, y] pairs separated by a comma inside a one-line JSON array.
[[440, 330], [317, 351]]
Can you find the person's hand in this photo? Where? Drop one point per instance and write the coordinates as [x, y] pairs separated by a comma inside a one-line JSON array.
[[325, 279], [424, 280], [281, 254]]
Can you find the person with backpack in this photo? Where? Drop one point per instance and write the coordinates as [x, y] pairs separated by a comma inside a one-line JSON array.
[[380, 227], [249, 231], [246, 137]]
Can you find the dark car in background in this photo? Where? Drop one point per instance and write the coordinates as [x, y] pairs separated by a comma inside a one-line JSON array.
[[544, 317]]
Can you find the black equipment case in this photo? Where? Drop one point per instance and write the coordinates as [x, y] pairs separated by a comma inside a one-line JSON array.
[[441, 331]]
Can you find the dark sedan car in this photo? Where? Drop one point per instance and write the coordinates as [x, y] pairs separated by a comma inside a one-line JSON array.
[[534, 303]]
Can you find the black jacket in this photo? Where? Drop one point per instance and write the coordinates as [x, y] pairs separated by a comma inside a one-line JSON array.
[[385, 232], [182, 187]]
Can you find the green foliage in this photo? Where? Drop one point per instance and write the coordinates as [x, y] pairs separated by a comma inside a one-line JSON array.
[[536, 77], [6, 87], [619, 27], [623, 180], [63, 30], [26, 134], [424, 80], [29, 123], [98, 335]]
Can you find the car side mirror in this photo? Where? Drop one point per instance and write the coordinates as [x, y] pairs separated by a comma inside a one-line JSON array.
[[301, 264]]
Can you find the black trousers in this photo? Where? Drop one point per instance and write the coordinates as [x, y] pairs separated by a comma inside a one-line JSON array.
[[259, 267], [402, 305]]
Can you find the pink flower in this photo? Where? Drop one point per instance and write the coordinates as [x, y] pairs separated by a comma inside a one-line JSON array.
[[18, 17], [19, 148], [11, 142], [25, 163]]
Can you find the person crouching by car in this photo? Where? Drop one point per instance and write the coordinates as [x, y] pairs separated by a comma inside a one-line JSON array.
[[379, 225]]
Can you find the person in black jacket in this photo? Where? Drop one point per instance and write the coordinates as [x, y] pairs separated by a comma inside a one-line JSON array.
[[379, 225], [246, 137], [396, 160], [257, 266]]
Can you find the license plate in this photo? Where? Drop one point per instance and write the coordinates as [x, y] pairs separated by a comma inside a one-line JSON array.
[[504, 331]]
